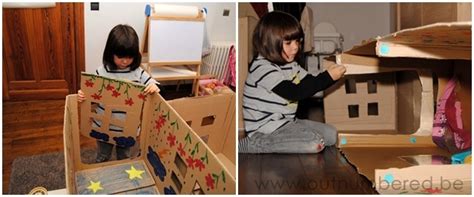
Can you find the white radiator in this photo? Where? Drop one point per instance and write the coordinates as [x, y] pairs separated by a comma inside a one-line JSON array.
[[216, 63]]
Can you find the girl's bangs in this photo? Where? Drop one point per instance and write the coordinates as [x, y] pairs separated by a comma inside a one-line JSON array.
[[293, 34], [123, 51]]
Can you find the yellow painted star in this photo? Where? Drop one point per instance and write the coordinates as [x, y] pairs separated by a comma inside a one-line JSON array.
[[94, 186], [134, 173]]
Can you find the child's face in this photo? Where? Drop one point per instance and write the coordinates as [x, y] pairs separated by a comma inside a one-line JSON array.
[[290, 49], [122, 62]]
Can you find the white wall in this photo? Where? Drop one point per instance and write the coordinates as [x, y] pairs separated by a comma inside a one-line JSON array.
[[99, 23], [355, 21]]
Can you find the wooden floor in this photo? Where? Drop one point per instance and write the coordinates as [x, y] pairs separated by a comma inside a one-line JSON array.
[[30, 128], [36, 127], [327, 172]]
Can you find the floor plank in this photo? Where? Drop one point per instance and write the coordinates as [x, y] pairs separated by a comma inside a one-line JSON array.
[[324, 173]]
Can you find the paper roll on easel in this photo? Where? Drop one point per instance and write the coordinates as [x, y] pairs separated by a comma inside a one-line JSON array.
[[175, 10]]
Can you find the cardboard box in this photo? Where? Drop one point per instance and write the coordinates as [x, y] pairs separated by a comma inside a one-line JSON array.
[[384, 106], [173, 158]]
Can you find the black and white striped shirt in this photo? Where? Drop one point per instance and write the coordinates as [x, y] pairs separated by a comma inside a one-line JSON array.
[[263, 110]]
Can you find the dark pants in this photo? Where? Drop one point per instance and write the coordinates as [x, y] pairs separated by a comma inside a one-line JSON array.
[[104, 152]]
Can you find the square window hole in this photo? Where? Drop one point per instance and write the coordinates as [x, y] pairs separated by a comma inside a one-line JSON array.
[[350, 85], [353, 111], [373, 109]]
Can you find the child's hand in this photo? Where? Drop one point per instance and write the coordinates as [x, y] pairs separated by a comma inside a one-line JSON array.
[[151, 88], [81, 97], [337, 71]]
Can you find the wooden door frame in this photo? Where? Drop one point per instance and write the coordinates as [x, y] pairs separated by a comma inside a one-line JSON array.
[[79, 38]]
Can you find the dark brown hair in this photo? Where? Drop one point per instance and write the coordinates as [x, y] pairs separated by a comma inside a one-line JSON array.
[[122, 42], [270, 32]]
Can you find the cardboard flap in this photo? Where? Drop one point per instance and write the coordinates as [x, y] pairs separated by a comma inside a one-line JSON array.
[[435, 41], [113, 104]]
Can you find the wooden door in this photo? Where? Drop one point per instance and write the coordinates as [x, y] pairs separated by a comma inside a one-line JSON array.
[[43, 51]]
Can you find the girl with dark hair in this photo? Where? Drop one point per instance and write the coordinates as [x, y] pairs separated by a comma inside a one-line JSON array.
[[274, 85], [121, 60]]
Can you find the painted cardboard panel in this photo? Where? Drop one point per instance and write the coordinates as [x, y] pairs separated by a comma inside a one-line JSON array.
[[177, 159], [114, 178], [118, 117]]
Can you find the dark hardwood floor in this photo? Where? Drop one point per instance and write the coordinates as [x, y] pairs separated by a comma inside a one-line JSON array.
[[327, 172], [36, 127]]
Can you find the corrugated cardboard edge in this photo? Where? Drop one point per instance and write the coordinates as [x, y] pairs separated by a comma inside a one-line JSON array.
[[398, 45]]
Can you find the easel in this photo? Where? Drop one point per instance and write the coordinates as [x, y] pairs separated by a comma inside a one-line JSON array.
[[168, 54]]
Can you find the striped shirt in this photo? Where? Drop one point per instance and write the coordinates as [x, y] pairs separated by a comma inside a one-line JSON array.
[[263, 110], [138, 76]]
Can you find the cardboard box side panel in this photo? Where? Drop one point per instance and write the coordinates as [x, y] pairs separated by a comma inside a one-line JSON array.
[[200, 112], [179, 159], [438, 176], [68, 144], [464, 12], [228, 147], [350, 110], [367, 159], [408, 102]]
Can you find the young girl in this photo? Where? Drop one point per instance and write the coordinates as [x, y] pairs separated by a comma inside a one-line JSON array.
[[274, 85], [121, 60]]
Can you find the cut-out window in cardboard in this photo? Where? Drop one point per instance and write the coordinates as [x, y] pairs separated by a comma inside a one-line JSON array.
[[176, 182], [197, 189], [205, 138], [178, 161], [372, 109], [189, 123], [353, 111], [371, 86], [350, 85], [208, 120]]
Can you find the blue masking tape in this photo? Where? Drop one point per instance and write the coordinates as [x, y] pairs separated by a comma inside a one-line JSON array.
[[413, 140], [147, 10], [384, 49], [343, 141], [389, 178]]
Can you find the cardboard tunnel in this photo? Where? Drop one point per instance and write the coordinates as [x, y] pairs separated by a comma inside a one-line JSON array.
[[173, 158], [384, 106]]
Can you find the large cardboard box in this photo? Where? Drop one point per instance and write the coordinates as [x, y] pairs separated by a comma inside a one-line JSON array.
[[384, 107], [172, 156]]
